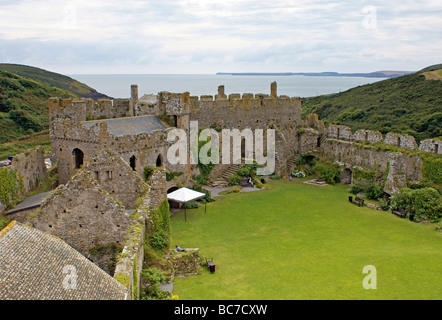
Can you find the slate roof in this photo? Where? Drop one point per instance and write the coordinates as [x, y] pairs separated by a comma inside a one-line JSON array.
[[35, 265], [130, 125]]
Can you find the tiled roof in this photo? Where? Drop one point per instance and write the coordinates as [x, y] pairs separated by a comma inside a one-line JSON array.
[[35, 265], [130, 126]]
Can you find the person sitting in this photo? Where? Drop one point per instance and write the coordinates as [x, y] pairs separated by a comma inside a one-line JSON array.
[[250, 181], [180, 249]]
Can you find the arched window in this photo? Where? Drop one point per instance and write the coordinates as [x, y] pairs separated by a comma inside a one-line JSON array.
[[159, 162], [132, 162], [78, 158]]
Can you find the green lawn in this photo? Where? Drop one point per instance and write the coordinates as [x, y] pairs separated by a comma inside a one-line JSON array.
[[297, 241]]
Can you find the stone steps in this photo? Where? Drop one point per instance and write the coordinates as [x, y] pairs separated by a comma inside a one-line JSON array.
[[223, 179]]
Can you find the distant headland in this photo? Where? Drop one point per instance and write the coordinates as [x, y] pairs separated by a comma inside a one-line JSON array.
[[376, 74]]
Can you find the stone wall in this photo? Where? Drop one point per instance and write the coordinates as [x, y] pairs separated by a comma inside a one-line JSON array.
[[116, 177], [431, 145], [402, 168], [369, 136], [83, 214], [30, 165], [403, 141], [29, 169], [339, 132]]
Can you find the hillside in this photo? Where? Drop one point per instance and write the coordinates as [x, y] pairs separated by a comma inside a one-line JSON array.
[[54, 79], [24, 105], [410, 104]]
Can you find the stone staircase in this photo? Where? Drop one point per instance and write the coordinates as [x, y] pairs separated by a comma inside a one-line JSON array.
[[223, 179], [291, 163]]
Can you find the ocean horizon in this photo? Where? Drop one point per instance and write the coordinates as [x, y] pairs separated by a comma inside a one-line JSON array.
[[118, 85]]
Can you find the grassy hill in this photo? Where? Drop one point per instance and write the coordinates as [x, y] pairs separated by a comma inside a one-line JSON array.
[[24, 94], [410, 104], [24, 105], [55, 79]]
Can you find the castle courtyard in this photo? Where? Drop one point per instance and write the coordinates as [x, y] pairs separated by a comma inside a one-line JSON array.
[[298, 241]]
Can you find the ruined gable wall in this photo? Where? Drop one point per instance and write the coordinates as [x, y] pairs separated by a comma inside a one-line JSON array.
[[431, 145], [115, 176], [82, 214], [30, 167]]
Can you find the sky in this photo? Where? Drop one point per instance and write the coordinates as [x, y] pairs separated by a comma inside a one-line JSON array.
[[205, 37]]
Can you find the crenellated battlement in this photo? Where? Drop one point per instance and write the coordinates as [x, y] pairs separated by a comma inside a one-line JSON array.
[[403, 141]]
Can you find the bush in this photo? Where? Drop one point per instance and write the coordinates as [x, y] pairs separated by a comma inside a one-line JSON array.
[[374, 192], [191, 205], [328, 171], [354, 189], [243, 172], [234, 179], [147, 172], [159, 240], [153, 278], [426, 203]]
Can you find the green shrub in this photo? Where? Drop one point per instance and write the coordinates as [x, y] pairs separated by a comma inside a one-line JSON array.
[[374, 192], [426, 203], [159, 240], [327, 171], [191, 205], [243, 172], [234, 179], [170, 175], [147, 172], [4, 221]]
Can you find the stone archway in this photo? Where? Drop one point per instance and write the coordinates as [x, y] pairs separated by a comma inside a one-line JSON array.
[[78, 158], [347, 176], [173, 204], [159, 161], [132, 162]]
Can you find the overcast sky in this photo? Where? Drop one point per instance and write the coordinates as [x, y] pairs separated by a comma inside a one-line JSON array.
[[195, 36]]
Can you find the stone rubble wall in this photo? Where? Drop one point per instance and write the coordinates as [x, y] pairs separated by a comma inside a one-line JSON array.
[[394, 139]]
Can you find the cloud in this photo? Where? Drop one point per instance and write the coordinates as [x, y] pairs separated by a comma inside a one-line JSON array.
[[210, 36]]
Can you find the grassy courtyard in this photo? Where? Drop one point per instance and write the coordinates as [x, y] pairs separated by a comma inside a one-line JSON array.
[[298, 241]]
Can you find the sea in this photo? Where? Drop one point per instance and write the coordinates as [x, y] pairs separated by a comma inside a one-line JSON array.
[[118, 85]]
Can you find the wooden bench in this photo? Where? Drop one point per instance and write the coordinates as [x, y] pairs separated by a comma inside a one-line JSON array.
[[210, 265], [357, 200], [399, 212]]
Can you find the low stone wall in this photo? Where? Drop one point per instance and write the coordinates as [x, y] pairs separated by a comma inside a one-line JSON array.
[[130, 263], [29, 168], [403, 141], [185, 263], [402, 168]]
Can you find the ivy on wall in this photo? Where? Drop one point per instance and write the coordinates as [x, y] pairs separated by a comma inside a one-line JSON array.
[[433, 169], [9, 185]]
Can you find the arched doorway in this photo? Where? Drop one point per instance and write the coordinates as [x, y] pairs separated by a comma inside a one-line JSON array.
[[159, 161], [173, 204], [346, 177], [132, 162], [78, 158]]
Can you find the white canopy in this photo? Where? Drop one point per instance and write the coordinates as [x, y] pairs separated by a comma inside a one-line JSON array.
[[185, 195]]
